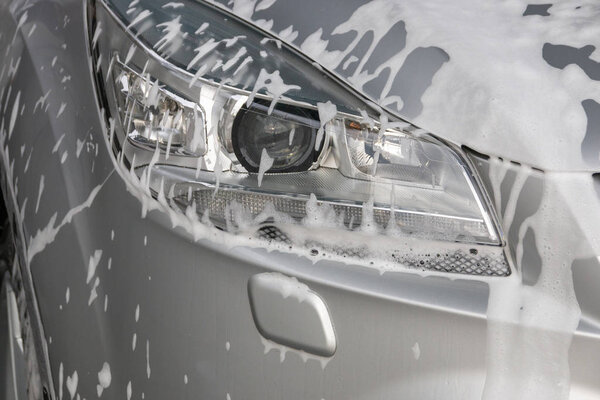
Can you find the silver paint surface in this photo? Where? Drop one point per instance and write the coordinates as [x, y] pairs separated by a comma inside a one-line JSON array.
[[186, 302]]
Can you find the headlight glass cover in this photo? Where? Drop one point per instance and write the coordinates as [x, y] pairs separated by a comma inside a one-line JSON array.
[[237, 128]]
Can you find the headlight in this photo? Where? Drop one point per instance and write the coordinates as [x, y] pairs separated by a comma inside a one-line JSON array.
[[233, 127]]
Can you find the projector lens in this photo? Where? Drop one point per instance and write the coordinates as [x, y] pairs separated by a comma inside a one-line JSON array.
[[288, 135]]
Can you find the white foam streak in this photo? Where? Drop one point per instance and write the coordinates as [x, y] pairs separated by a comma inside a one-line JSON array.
[[72, 382], [104, 379], [327, 111], [148, 371], [40, 191], [174, 5], [139, 18], [58, 142], [13, 114], [532, 326], [172, 38], [46, 235], [273, 84], [266, 163], [92, 264]]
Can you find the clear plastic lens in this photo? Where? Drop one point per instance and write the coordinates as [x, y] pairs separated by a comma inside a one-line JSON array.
[[210, 45], [155, 116], [269, 146], [337, 214], [396, 155]]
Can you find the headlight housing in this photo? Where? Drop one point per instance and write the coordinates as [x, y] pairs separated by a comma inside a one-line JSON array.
[[234, 128]]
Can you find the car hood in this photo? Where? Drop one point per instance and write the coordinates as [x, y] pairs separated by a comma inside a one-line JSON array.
[[509, 79]]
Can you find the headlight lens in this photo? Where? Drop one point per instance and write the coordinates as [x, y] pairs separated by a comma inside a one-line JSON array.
[[230, 124], [287, 135]]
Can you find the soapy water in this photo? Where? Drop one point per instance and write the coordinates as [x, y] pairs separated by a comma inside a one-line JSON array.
[[528, 326], [71, 384], [104, 379], [493, 94], [548, 310]]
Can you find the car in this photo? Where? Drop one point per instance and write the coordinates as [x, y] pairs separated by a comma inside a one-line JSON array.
[[279, 199]]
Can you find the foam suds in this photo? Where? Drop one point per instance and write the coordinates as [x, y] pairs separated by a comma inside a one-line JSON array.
[[93, 264], [546, 313], [327, 111], [148, 359], [266, 163], [139, 18], [40, 191], [173, 5], [233, 60], [273, 85], [172, 38], [130, 54], [242, 65], [46, 235], [263, 5], [71, 383], [57, 144], [60, 381], [104, 379], [283, 351], [61, 109], [532, 326], [94, 291], [202, 28], [13, 114]]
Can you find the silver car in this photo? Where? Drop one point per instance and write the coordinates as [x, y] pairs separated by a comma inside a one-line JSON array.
[[283, 199]]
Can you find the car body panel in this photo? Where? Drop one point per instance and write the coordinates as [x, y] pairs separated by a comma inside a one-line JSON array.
[[533, 99], [170, 314]]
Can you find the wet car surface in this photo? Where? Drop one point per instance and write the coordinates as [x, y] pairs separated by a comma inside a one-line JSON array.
[[221, 272]]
